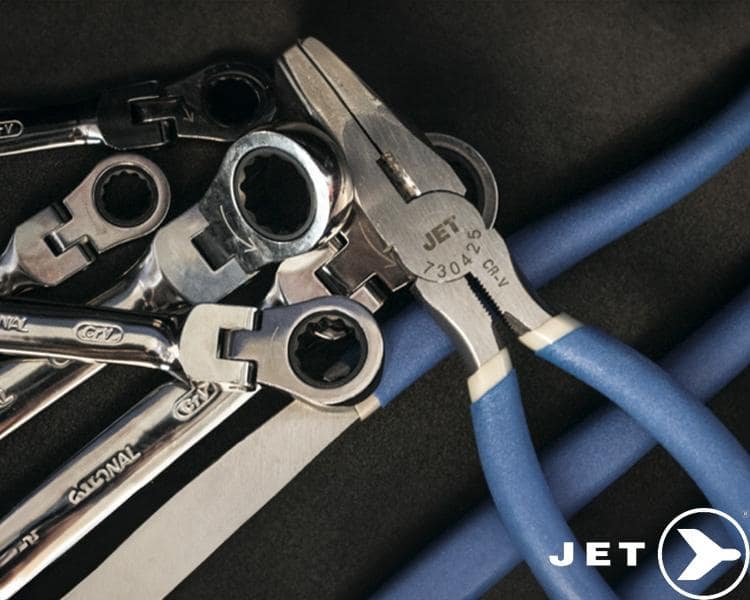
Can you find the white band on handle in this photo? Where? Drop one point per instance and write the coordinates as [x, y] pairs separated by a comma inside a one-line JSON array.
[[549, 332], [489, 374]]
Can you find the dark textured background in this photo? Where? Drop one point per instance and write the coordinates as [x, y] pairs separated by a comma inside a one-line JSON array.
[[560, 98]]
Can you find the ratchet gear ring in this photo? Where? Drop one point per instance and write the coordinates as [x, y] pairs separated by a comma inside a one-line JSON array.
[[125, 195], [318, 339]]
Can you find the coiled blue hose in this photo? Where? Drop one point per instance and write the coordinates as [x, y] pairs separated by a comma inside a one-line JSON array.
[[552, 245]]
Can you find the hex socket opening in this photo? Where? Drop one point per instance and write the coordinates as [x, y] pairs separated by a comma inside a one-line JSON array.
[[232, 100]]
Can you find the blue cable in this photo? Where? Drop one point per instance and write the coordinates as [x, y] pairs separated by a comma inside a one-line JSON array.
[[474, 554], [710, 454], [691, 433]]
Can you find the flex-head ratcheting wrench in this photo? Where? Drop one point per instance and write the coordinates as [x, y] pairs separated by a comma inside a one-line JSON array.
[[219, 103], [281, 348], [328, 415], [212, 343], [203, 255], [59, 241], [155, 558]]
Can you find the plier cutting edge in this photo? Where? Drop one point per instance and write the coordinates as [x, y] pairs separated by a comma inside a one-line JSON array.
[[461, 270], [463, 273]]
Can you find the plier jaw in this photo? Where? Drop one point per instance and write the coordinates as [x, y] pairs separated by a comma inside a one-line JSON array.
[[379, 144], [416, 203]]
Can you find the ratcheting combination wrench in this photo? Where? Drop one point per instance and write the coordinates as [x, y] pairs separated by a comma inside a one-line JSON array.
[[59, 241], [219, 103], [177, 274], [252, 352], [128, 430], [162, 552], [201, 256], [209, 251], [212, 343]]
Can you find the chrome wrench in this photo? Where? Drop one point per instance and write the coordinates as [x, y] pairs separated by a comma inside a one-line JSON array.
[[172, 395], [208, 343], [165, 549], [219, 103], [60, 241], [202, 255], [165, 424]]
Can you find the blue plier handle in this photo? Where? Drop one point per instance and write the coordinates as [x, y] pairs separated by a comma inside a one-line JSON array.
[[402, 185], [474, 553]]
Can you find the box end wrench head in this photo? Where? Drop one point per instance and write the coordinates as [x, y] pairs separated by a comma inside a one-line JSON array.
[[327, 352], [55, 244], [237, 228]]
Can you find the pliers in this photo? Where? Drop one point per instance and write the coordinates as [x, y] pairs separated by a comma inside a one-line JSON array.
[[422, 329], [465, 275]]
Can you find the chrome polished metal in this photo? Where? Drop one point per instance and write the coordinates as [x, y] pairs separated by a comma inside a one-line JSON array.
[[355, 262], [89, 335], [475, 166], [201, 256], [231, 346], [378, 262], [106, 473], [241, 482], [158, 430], [149, 114], [413, 199], [48, 248]]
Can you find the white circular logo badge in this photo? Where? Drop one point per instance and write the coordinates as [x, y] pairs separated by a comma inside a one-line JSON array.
[[708, 554]]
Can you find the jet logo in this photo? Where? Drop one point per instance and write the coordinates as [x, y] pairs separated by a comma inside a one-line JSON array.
[[707, 554]]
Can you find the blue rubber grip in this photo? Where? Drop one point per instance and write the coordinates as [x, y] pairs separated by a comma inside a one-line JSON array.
[[555, 244], [523, 498], [476, 552], [545, 249], [688, 430], [579, 231]]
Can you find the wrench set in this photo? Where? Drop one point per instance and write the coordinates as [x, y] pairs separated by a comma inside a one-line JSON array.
[[378, 209]]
